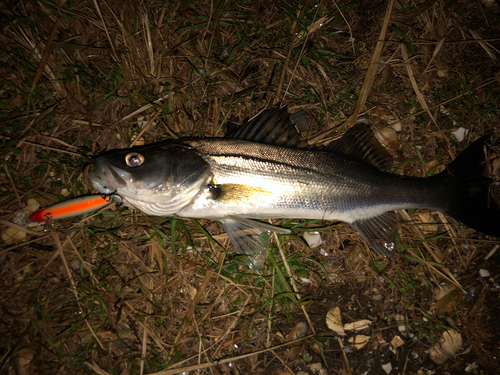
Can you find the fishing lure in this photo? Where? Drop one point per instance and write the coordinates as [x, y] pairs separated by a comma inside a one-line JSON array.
[[71, 207]]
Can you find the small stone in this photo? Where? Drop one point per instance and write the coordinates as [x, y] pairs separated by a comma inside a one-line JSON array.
[[387, 367], [401, 325], [444, 111], [460, 134], [484, 273], [313, 239], [471, 367]]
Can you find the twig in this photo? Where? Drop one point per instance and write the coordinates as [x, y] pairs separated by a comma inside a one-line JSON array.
[[287, 59], [73, 286], [345, 356], [13, 184], [292, 280], [372, 68], [145, 128], [225, 360]]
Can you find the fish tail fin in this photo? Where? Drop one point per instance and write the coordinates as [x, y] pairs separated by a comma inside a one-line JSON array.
[[470, 201]]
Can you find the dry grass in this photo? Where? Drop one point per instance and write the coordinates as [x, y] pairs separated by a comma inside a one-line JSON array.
[[119, 292]]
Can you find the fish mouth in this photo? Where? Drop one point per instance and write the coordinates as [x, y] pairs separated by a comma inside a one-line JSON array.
[[106, 178]]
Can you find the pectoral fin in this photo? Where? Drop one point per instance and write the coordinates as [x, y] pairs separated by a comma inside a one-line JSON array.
[[380, 232], [251, 238], [232, 193]]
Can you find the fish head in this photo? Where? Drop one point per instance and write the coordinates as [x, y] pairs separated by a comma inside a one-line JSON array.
[[158, 179]]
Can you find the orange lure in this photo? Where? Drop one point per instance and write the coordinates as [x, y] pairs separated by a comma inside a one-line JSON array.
[[71, 207]]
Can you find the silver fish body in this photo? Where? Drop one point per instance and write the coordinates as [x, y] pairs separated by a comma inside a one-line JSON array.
[[270, 182], [235, 180]]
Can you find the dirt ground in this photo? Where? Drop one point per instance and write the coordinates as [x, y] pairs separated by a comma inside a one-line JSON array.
[[120, 292]]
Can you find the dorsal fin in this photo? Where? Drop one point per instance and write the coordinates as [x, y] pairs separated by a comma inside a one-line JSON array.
[[278, 127], [360, 143], [275, 127]]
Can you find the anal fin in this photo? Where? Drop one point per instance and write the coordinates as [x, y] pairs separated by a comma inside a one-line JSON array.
[[380, 232]]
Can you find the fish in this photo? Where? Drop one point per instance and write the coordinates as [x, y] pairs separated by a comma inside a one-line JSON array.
[[71, 207], [263, 170]]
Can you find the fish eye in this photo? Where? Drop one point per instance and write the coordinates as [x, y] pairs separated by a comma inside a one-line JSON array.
[[134, 159]]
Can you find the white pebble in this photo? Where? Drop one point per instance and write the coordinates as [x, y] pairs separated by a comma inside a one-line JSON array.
[[460, 134], [313, 239], [387, 367], [471, 367], [484, 273]]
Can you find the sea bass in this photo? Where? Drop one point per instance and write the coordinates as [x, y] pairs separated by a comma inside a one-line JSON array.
[[262, 171]]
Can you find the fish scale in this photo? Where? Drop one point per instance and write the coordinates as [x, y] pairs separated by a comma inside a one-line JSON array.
[[306, 184]]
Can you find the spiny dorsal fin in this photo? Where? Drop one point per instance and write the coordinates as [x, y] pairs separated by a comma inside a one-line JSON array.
[[360, 143], [275, 127], [278, 127]]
